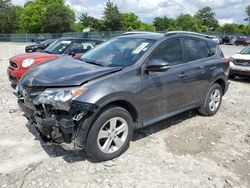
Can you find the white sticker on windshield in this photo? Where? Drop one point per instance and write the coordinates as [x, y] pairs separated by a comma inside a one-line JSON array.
[[66, 42], [140, 48]]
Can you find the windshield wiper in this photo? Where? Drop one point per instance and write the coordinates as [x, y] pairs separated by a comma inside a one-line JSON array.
[[90, 62]]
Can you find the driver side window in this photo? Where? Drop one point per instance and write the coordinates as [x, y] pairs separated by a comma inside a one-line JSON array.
[[169, 51]]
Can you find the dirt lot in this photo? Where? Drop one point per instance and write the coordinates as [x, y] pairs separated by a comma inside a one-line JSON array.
[[187, 150]]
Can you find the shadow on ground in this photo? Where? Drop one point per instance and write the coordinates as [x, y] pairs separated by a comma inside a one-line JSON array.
[[244, 79], [71, 156]]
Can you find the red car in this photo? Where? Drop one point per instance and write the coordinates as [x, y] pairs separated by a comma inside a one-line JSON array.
[[75, 47], [242, 41]]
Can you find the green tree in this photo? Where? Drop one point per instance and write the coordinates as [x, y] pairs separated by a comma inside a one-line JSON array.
[[186, 22], [32, 18], [164, 24], [88, 21], [229, 28], [59, 21], [5, 16], [130, 22], [78, 27], [248, 10], [16, 12], [146, 27], [38, 16], [112, 17], [206, 17]]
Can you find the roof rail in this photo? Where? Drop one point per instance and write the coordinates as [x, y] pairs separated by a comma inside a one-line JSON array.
[[138, 32], [187, 32]]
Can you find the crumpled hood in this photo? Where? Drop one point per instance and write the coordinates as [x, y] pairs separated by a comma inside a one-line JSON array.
[[64, 71]]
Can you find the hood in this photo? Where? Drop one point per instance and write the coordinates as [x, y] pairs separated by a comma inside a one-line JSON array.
[[242, 56], [64, 71], [38, 56]]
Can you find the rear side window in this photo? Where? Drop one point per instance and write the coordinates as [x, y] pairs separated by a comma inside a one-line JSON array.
[[170, 51], [195, 48], [212, 46]]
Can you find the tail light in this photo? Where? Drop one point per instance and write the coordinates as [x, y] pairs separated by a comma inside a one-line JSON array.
[[227, 61]]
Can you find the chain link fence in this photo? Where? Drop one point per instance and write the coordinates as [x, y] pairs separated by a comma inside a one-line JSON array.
[[25, 37]]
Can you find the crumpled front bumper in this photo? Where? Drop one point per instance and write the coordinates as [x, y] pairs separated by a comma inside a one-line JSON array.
[[53, 124]]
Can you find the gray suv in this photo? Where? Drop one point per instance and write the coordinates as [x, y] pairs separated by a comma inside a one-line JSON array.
[[129, 82]]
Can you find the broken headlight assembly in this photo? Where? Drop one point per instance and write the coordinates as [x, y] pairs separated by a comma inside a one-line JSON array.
[[59, 98]]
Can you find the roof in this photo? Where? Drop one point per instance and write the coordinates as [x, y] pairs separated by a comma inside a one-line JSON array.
[[77, 38], [144, 35]]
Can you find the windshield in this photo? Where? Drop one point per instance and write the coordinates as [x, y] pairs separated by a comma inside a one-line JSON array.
[[246, 50], [118, 52], [58, 47]]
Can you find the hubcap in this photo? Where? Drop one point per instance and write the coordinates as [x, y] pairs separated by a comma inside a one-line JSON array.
[[214, 100], [112, 135]]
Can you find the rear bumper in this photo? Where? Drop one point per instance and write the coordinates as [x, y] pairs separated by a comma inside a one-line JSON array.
[[239, 70]]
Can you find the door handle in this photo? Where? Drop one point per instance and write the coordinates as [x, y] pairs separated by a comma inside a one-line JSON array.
[[212, 68], [183, 75]]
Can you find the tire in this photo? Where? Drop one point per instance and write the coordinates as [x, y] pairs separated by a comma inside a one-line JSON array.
[[105, 140], [210, 108]]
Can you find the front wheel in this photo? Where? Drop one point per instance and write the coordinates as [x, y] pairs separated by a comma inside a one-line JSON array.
[[213, 101], [110, 134]]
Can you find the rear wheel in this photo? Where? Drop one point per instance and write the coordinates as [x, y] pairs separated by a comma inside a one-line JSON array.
[[213, 101], [110, 134]]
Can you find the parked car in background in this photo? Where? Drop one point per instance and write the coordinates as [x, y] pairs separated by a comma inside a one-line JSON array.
[[242, 41], [39, 47], [74, 47], [240, 63], [126, 83], [225, 40], [232, 40], [229, 40]]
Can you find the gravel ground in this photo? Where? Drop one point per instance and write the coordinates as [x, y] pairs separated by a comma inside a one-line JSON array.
[[188, 150]]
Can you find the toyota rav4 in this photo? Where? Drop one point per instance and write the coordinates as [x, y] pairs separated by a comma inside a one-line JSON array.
[[129, 82]]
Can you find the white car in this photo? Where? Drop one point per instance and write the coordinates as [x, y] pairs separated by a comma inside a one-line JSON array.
[[240, 63]]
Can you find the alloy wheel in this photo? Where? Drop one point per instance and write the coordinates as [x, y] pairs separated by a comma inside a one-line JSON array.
[[112, 135], [215, 98]]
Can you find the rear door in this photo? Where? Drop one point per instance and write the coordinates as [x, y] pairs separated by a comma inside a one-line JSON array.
[[200, 63]]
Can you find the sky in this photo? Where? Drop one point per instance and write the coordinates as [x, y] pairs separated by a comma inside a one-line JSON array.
[[227, 11]]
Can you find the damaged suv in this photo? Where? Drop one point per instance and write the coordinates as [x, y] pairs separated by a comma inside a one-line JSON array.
[[132, 81]]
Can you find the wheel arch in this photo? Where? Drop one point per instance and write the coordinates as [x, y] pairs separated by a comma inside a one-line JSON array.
[[126, 104], [222, 83]]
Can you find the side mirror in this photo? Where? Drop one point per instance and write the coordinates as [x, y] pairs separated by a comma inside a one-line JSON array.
[[238, 52], [157, 65]]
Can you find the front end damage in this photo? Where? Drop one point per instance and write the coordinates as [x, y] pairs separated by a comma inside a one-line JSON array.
[[55, 120]]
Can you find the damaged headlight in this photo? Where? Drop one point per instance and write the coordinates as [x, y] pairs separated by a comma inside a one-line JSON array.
[[59, 98]]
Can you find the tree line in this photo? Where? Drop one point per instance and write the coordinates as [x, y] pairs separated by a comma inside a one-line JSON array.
[[53, 16]]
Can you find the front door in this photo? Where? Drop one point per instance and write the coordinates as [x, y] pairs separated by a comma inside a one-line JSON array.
[[165, 92]]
